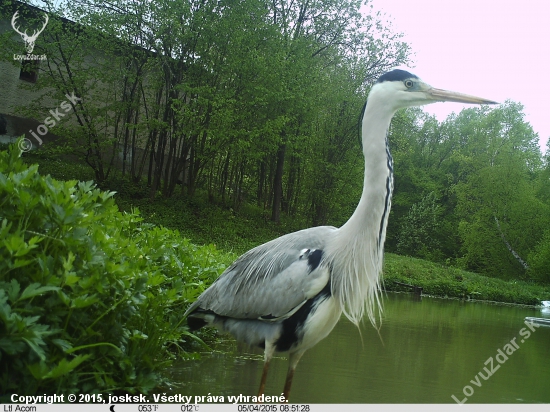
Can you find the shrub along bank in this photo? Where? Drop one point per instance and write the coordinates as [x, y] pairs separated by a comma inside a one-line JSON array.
[[91, 298]]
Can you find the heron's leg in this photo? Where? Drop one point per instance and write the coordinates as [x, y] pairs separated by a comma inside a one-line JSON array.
[[268, 354], [264, 378], [293, 359]]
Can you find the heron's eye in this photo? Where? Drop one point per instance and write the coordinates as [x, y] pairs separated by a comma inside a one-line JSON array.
[[408, 84]]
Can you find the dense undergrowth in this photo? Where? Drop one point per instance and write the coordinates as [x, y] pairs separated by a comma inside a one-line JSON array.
[[92, 297], [198, 218]]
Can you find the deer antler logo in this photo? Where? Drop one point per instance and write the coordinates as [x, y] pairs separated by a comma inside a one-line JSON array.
[[29, 40]]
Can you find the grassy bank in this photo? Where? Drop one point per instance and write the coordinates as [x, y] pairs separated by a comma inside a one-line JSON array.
[[450, 282], [234, 232]]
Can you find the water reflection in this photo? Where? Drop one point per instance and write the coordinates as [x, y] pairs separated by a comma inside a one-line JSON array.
[[427, 351]]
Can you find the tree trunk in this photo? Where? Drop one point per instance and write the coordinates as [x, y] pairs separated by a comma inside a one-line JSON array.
[[278, 185], [509, 246]]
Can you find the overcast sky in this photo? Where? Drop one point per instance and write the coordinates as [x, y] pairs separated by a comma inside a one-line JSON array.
[[494, 49]]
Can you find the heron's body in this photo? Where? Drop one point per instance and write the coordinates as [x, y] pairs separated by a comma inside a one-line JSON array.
[[288, 294], [294, 312]]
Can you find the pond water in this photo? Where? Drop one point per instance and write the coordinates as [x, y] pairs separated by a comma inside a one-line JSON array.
[[427, 351]]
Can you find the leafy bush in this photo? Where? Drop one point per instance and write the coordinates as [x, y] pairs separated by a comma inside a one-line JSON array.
[[539, 259], [91, 299], [418, 227]]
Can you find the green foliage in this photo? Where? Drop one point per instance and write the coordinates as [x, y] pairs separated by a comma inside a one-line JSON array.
[[91, 299], [418, 228], [501, 217], [214, 96], [205, 222], [491, 183], [539, 259]]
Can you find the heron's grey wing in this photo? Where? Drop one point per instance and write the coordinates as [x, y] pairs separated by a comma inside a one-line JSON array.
[[272, 280]]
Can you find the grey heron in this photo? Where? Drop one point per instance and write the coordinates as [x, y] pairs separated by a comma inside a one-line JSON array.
[[288, 294]]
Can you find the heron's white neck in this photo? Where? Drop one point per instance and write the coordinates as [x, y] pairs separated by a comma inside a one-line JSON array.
[[357, 249], [378, 169]]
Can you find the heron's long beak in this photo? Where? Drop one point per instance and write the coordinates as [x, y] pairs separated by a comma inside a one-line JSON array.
[[441, 95]]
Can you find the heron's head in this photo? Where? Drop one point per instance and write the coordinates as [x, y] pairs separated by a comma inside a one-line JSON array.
[[401, 89]]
